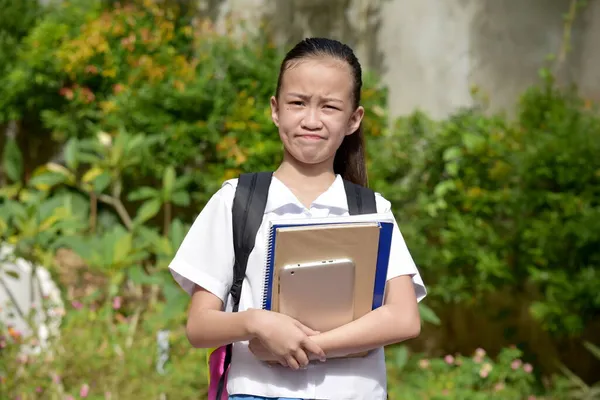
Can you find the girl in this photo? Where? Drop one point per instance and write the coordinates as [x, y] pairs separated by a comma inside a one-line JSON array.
[[317, 110]]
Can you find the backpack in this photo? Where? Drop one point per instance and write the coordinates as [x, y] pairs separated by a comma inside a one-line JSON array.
[[247, 215]]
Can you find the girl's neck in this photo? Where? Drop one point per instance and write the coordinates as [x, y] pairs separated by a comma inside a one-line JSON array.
[[306, 181], [290, 170]]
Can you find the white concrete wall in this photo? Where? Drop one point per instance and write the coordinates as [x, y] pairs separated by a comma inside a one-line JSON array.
[[432, 52], [30, 301]]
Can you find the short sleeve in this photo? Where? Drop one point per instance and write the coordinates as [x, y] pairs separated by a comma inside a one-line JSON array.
[[205, 256], [401, 262]]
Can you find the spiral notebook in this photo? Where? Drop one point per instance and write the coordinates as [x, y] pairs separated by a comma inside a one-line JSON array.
[[366, 239]]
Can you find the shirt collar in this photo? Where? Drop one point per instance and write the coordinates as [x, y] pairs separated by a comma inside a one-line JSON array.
[[280, 195]]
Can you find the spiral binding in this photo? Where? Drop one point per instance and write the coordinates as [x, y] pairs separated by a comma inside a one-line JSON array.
[[268, 266]]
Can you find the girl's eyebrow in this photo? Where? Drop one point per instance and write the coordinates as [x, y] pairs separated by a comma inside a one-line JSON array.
[[307, 97]]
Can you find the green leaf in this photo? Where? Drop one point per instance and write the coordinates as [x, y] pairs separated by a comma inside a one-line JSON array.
[[168, 182], [428, 315], [472, 141], [181, 198], [122, 248], [182, 182], [140, 277], [79, 245], [401, 356], [10, 191], [452, 153], [12, 160], [49, 179], [148, 210], [177, 233], [142, 193], [70, 154], [176, 301], [12, 274], [101, 182]]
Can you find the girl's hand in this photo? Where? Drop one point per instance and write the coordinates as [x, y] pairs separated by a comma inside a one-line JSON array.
[[284, 339], [260, 351]]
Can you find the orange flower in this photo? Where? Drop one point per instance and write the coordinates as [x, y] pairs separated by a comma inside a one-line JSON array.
[[13, 333], [66, 92], [91, 69]]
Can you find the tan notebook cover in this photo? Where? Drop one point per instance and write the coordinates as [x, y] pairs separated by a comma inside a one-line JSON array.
[[358, 241]]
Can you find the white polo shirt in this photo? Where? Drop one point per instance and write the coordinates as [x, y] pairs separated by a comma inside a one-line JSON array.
[[206, 258]]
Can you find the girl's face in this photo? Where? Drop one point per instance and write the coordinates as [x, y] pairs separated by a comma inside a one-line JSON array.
[[314, 111]]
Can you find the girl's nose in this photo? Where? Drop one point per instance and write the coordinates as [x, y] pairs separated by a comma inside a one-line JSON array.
[[311, 120]]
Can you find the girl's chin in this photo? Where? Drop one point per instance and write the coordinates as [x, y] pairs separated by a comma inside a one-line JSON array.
[[311, 160], [309, 155]]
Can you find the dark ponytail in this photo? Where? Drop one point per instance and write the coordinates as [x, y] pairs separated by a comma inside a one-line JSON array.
[[349, 160]]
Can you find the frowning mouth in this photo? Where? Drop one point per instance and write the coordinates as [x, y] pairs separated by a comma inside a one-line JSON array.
[[310, 137]]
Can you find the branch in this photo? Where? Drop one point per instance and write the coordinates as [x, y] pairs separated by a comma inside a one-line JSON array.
[[119, 208], [565, 45]]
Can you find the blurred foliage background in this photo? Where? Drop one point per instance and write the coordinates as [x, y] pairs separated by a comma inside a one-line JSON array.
[[121, 121]]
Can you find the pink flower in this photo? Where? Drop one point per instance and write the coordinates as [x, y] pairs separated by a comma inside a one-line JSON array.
[[499, 386], [38, 389], [527, 368], [532, 397], [485, 370], [480, 352], [2, 344], [56, 379], [69, 397], [85, 390], [449, 359], [516, 364], [424, 363], [76, 304], [116, 302]]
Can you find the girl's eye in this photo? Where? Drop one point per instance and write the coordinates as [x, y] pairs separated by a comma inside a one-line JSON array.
[[297, 103], [331, 107]]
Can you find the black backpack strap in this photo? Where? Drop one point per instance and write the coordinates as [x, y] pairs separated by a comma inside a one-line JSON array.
[[247, 215], [361, 200]]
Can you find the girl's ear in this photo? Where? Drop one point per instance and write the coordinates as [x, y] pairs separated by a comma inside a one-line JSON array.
[[275, 111], [355, 120]]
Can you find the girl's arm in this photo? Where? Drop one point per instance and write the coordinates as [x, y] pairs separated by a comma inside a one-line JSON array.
[[207, 326], [284, 337], [397, 320]]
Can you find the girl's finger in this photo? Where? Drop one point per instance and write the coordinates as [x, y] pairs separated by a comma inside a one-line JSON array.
[[302, 358], [291, 362], [312, 347]]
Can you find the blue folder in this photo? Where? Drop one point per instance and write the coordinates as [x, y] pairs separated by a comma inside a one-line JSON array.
[[383, 256]]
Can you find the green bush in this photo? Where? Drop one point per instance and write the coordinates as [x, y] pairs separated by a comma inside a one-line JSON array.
[[464, 378], [489, 204], [104, 352]]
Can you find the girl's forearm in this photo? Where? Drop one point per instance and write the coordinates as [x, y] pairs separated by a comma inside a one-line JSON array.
[[213, 328], [386, 325]]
